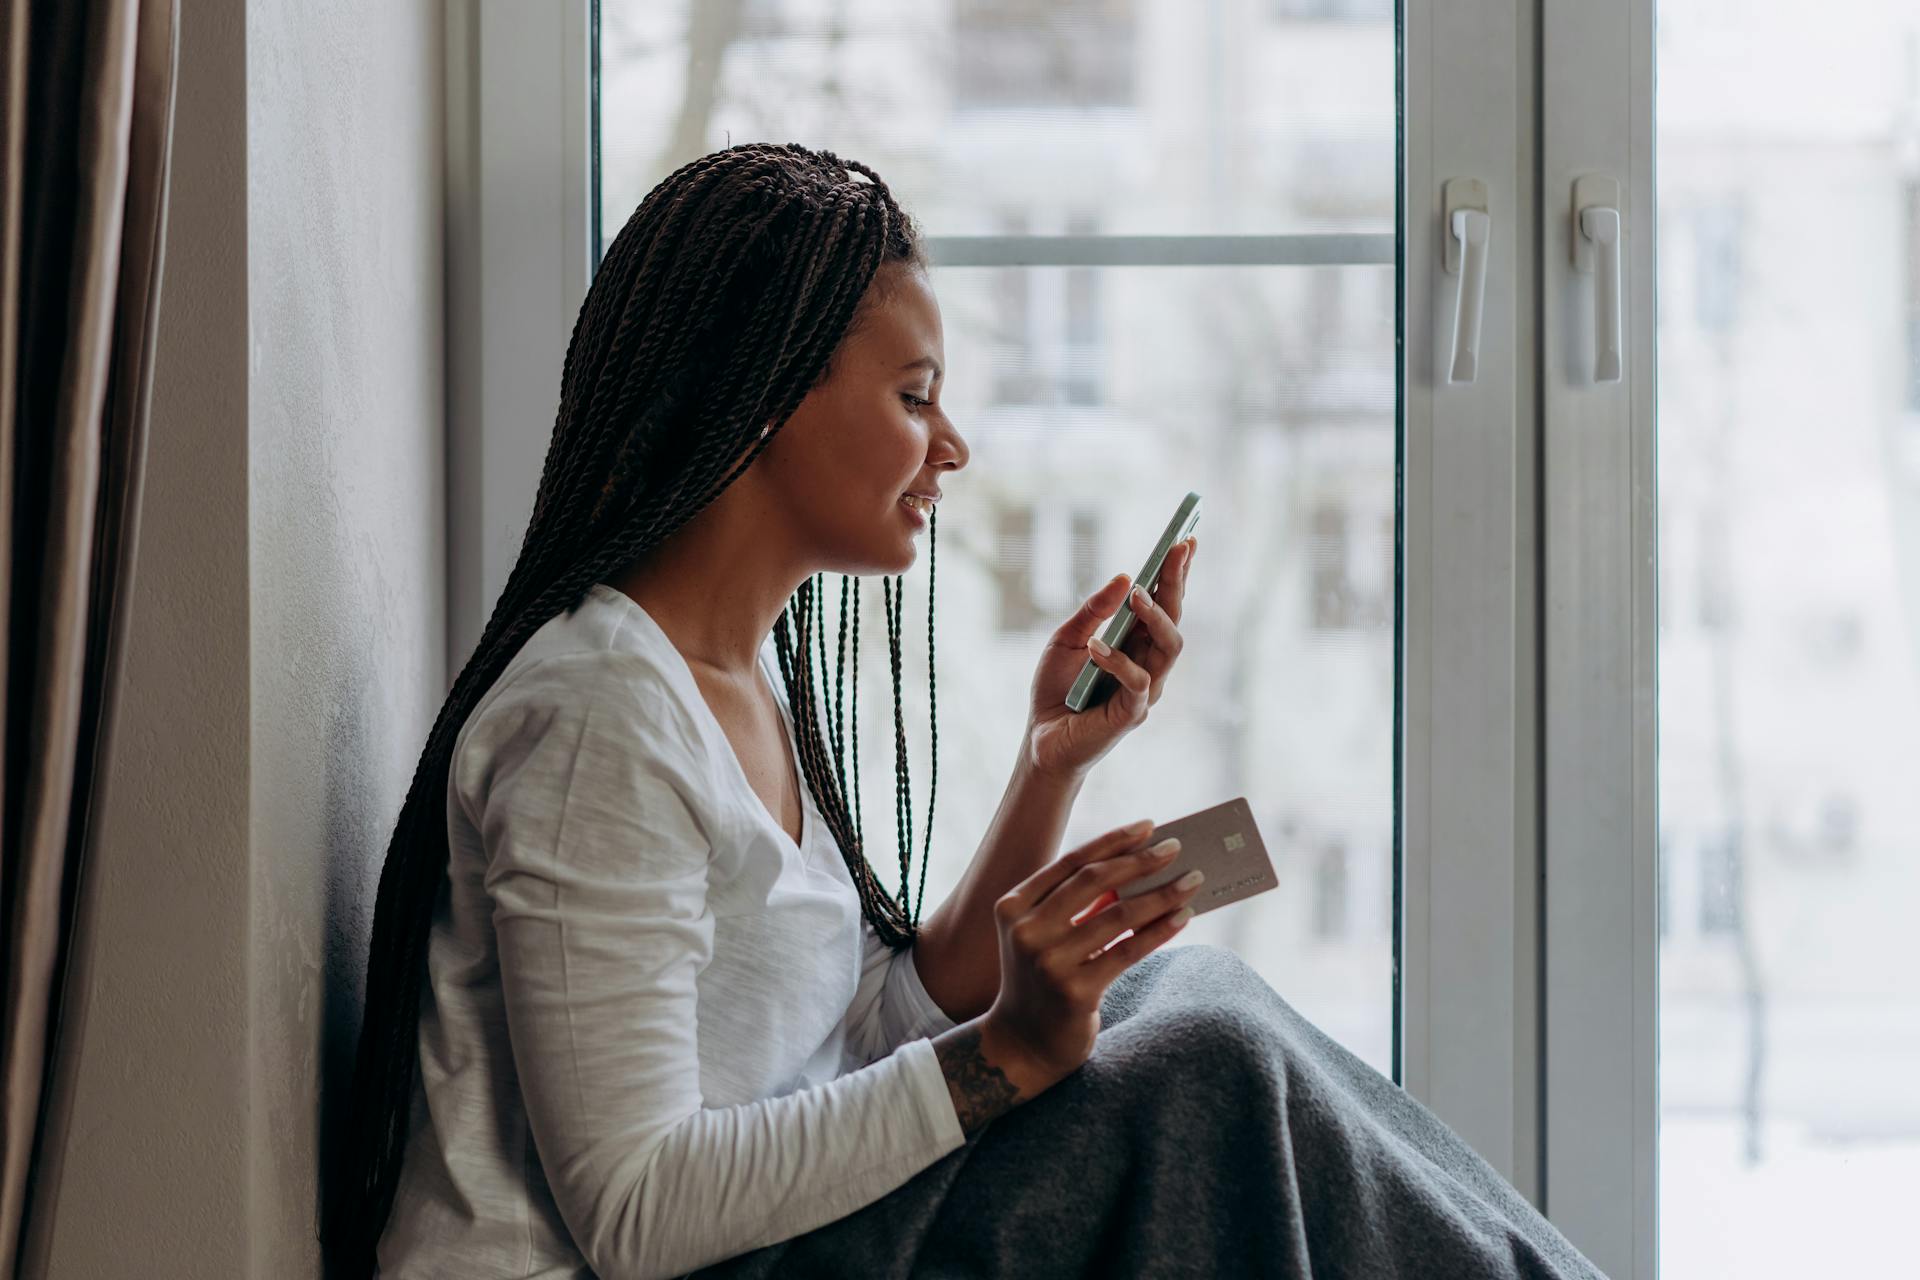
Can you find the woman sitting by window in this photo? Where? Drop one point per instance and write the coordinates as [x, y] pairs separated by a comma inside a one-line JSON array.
[[637, 1003]]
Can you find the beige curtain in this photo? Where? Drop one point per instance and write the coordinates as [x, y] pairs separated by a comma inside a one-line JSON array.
[[86, 123]]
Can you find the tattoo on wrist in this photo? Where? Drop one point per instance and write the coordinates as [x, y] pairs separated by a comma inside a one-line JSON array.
[[980, 1088]]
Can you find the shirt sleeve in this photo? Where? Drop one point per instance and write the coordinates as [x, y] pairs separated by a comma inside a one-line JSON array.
[[890, 1006], [597, 874]]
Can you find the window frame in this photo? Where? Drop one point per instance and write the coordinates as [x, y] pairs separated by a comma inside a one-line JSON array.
[[520, 224], [1470, 830], [1508, 507], [1599, 581]]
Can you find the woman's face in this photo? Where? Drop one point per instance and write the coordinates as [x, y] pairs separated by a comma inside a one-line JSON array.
[[871, 433]]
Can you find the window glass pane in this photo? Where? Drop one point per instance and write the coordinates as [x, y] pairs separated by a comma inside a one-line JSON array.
[[1093, 397], [1156, 116], [1789, 533], [1076, 54]]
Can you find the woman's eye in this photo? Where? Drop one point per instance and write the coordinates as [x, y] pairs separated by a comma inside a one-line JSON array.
[[914, 400]]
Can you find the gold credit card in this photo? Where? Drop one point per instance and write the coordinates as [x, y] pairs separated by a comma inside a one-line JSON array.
[[1223, 842]]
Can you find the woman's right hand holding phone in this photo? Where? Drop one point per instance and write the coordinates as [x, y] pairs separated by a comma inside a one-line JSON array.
[[1057, 959]]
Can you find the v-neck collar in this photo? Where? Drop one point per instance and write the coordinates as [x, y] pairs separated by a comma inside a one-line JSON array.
[[682, 672]]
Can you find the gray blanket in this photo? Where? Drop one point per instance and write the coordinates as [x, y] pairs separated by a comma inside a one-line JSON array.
[[1214, 1132]]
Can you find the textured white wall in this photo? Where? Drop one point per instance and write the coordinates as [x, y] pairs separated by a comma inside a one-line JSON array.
[[345, 138], [286, 651]]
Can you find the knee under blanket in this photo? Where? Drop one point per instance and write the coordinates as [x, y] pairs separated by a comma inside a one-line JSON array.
[[1214, 1132]]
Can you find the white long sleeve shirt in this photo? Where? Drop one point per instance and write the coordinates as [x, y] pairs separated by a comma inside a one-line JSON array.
[[656, 1033]]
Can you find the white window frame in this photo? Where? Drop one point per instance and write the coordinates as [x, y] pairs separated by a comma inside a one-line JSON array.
[[1526, 783], [1469, 912], [1600, 634], [519, 250]]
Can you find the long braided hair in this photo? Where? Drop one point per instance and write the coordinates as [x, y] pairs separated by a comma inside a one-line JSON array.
[[715, 310]]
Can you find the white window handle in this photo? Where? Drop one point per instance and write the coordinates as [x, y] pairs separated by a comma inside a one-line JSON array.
[[1468, 225], [1470, 228], [1596, 252], [1602, 226]]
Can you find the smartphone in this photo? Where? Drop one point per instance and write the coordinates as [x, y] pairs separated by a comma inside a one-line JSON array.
[[1093, 685]]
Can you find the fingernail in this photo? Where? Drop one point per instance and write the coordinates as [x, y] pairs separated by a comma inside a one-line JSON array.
[[1181, 916], [1166, 848], [1190, 880], [1139, 828], [1099, 646], [1140, 597]]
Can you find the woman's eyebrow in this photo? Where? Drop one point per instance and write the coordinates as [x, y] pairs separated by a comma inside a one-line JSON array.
[[924, 362]]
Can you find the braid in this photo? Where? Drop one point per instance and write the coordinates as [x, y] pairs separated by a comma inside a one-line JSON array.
[[714, 312], [896, 597], [933, 718], [856, 712], [839, 687]]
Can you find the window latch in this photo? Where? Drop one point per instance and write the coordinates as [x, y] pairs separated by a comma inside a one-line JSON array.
[[1596, 252], [1467, 225]]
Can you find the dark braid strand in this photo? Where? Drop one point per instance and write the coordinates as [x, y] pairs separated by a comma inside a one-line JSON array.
[[840, 688], [855, 735], [896, 597], [933, 715]]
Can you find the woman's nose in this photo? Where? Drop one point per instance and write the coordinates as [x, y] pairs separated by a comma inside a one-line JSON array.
[[950, 449]]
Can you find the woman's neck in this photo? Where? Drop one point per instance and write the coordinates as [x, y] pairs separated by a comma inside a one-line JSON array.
[[716, 587]]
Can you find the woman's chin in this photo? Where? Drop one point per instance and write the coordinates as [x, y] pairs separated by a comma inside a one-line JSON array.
[[895, 560], [909, 546]]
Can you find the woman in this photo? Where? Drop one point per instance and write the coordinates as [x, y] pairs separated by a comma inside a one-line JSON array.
[[637, 1003]]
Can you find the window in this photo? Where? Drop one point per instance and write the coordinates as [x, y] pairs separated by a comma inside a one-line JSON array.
[[1333, 10], [1047, 325], [1015, 378], [1352, 574], [1551, 736], [1106, 353], [1717, 231], [1328, 547], [1170, 253], [1721, 878], [1043, 53], [1912, 212], [1046, 560], [1788, 1013], [1081, 371], [1330, 892], [1712, 587], [1838, 828], [1013, 568], [1089, 569]]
